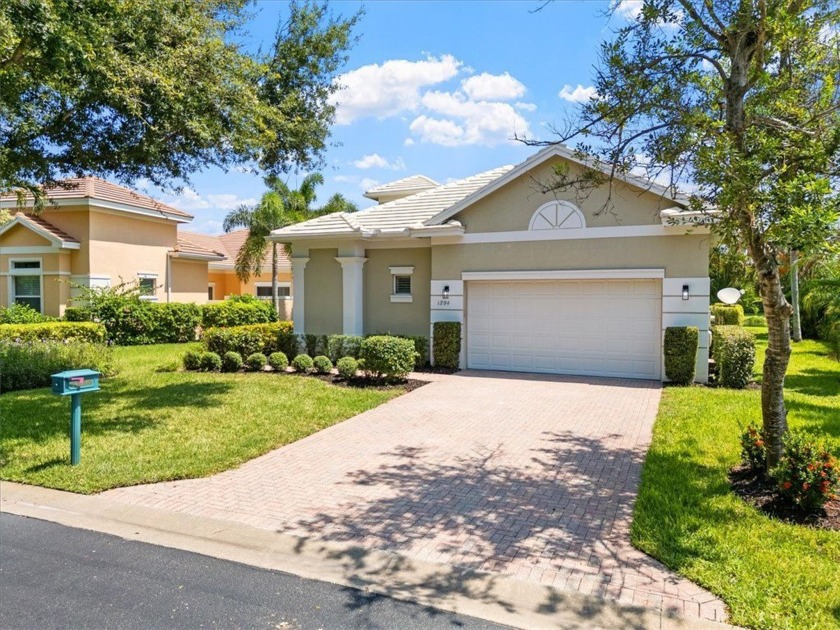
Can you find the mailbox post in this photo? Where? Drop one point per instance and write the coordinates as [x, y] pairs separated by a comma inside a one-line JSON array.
[[74, 383]]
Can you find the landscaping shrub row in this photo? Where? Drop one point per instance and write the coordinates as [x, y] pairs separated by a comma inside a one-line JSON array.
[[680, 347], [382, 357], [337, 346], [22, 314], [54, 331], [29, 364], [728, 314]]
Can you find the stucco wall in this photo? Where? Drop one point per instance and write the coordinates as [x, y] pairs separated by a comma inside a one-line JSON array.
[[20, 236], [511, 207], [323, 301], [76, 222], [380, 314], [55, 276], [680, 256], [189, 281]]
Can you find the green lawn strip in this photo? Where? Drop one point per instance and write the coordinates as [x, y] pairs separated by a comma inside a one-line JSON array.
[[771, 575], [146, 426]]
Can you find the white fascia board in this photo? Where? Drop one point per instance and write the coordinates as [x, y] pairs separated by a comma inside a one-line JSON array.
[[566, 274], [536, 160], [186, 256], [94, 204], [34, 227]]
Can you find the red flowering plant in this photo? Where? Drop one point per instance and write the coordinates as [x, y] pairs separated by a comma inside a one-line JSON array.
[[807, 473], [753, 451]]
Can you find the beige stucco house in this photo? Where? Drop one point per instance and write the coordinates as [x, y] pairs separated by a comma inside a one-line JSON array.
[[223, 281], [541, 281], [95, 233]]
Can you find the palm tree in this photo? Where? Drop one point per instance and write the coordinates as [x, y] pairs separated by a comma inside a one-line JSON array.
[[260, 220], [298, 202]]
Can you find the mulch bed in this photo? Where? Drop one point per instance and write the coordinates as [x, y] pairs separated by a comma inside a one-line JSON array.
[[368, 383], [762, 494]]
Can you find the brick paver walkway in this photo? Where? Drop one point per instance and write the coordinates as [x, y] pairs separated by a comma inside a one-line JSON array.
[[531, 476]]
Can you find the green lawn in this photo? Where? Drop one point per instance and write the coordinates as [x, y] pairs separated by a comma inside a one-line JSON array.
[[147, 426], [771, 575]]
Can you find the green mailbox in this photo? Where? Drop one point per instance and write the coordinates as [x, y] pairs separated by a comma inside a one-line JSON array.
[[74, 383]]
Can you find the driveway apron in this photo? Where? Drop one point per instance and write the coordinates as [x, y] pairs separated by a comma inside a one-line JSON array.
[[525, 475]]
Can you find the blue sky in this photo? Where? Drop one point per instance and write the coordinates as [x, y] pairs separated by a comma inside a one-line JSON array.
[[435, 88]]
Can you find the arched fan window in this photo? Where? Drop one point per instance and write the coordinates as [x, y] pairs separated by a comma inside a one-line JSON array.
[[557, 215]]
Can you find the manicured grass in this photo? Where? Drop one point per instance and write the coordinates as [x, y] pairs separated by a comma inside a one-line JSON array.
[[147, 426], [772, 575]]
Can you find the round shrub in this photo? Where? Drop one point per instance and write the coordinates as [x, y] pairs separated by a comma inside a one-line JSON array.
[[753, 449], [256, 361], [192, 359], [231, 362], [728, 314], [347, 367], [278, 361], [322, 364], [681, 354], [388, 357], [302, 363], [733, 349], [807, 473], [210, 362]]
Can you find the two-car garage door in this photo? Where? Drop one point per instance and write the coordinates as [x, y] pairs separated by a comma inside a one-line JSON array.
[[592, 327]]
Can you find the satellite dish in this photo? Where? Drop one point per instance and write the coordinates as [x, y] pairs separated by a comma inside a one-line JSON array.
[[730, 295]]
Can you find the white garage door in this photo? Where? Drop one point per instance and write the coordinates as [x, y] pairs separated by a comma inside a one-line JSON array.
[[592, 327]]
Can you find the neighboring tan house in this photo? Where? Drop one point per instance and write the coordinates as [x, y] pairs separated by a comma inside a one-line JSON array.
[[94, 233], [541, 281], [223, 281]]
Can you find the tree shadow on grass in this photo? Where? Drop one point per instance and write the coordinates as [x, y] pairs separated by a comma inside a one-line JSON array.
[[813, 382], [567, 509]]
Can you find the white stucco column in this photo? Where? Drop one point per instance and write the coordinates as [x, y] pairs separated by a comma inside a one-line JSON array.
[[352, 294], [298, 317]]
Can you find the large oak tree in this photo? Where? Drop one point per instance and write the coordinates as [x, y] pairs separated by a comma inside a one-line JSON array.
[[741, 98], [161, 88]]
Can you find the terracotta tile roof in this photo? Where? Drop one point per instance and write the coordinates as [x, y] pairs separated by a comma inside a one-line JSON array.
[[45, 226], [187, 246], [229, 245], [96, 188]]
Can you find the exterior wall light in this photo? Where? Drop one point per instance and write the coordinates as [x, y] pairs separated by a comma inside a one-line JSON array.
[[446, 292], [685, 292]]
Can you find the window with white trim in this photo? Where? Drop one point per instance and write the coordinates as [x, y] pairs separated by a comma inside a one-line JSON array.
[[401, 290], [26, 284], [148, 286]]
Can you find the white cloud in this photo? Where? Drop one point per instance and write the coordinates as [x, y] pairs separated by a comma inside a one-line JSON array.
[[409, 142], [579, 94], [344, 179], [367, 183], [390, 88], [628, 9], [467, 122], [526, 107], [492, 87], [189, 200], [374, 160]]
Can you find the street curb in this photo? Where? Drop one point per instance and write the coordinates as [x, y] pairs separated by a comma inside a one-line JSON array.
[[500, 599]]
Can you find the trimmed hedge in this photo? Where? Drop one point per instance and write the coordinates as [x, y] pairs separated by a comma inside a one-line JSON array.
[[132, 322], [728, 314], [302, 363], [733, 349], [447, 344], [680, 346], [210, 362], [347, 367], [388, 357], [322, 364], [246, 340], [231, 362], [755, 320], [54, 331], [256, 362], [237, 312], [192, 359], [278, 361], [339, 346], [30, 364]]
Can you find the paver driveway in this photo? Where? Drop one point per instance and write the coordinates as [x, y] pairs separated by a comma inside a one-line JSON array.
[[532, 476]]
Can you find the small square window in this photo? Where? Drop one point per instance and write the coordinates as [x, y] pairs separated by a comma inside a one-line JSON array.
[[402, 285], [284, 291], [148, 287], [264, 292]]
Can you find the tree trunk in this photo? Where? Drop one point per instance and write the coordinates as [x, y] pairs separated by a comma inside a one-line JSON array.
[[795, 322], [274, 278], [776, 359]]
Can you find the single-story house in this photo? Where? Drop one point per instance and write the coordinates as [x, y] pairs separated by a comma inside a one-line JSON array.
[[94, 233], [541, 281], [222, 279]]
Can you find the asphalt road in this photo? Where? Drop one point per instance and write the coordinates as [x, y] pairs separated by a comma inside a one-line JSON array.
[[53, 576]]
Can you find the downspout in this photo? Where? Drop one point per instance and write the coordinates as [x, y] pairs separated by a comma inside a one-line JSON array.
[[168, 277]]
